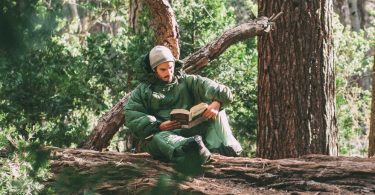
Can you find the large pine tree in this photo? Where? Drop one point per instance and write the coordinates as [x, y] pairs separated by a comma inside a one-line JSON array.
[[296, 85]]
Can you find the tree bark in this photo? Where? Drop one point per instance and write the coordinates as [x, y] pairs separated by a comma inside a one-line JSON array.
[[371, 137], [165, 25], [108, 126], [296, 84], [135, 9], [125, 173], [355, 19]]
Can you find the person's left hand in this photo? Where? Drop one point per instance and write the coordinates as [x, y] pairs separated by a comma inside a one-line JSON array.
[[212, 110]]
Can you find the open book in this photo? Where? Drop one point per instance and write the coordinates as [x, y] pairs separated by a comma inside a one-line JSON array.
[[189, 118]]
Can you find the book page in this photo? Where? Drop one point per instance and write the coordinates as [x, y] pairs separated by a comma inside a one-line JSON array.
[[195, 122], [182, 111], [198, 109], [181, 115]]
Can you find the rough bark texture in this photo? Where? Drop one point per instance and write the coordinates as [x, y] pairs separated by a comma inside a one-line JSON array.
[[165, 25], [199, 59], [134, 11], [125, 173], [371, 137], [296, 86], [107, 126]]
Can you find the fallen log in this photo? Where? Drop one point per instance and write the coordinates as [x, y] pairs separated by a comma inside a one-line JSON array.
[[126, 173]]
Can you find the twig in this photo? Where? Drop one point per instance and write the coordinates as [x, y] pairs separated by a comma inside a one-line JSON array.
[[273, 17]]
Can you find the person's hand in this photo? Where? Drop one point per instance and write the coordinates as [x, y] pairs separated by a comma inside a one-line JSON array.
[[169, 125], [212, 110]]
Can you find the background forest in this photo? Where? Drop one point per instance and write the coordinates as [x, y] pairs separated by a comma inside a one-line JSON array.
[[65, 63]]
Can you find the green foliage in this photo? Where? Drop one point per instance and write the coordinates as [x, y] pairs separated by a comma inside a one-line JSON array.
[[53, 92], [25, 171], [353, 98], [201, 21]]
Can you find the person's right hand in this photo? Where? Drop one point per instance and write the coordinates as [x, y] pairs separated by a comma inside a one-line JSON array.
[[169, 125]]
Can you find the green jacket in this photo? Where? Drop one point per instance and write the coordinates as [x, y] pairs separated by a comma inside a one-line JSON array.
[[152, 100]]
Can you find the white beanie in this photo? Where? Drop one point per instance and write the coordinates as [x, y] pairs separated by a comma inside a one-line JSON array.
[[160, 54]]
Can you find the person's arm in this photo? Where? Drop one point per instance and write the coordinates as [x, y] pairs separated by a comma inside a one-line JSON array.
[[137, 117], [169, 125], [209, 91], [212, 110]]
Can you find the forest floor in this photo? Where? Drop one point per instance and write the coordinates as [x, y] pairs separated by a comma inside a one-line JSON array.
[[79, 171]]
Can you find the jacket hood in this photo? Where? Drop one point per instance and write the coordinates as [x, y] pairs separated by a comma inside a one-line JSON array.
[[145, 74]]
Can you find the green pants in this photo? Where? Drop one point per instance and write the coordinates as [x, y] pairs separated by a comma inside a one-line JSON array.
[[216, 135]]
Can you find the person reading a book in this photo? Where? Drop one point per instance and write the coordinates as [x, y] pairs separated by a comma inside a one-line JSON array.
[[165, 87]]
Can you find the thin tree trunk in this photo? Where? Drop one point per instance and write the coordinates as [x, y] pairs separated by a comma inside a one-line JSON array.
[[165, 25], [371, 137], [341, 7], [135, 9], [75, 22], [354, 15], [296, 84]]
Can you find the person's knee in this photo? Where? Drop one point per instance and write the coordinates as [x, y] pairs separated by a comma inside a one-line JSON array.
[[160, 137]]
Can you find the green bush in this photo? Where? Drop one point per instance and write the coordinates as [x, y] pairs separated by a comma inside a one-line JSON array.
[[353, 98]]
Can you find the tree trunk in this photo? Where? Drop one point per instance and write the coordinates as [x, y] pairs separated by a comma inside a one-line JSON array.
[[134, 11], [75, 21], [165, 25], [109, 124], [371, 137], [341, 7], [77, 171], [296, 84], [355, 19]]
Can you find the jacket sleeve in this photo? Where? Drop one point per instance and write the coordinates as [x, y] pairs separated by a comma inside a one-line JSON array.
[[137, 117], [207, 90]]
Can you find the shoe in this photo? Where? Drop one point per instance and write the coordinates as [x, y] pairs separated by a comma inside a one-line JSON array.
[[195, 144]]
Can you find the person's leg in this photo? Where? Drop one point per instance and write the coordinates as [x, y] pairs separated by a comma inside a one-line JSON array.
[[169, 146], [162, 145], [219, 137]]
